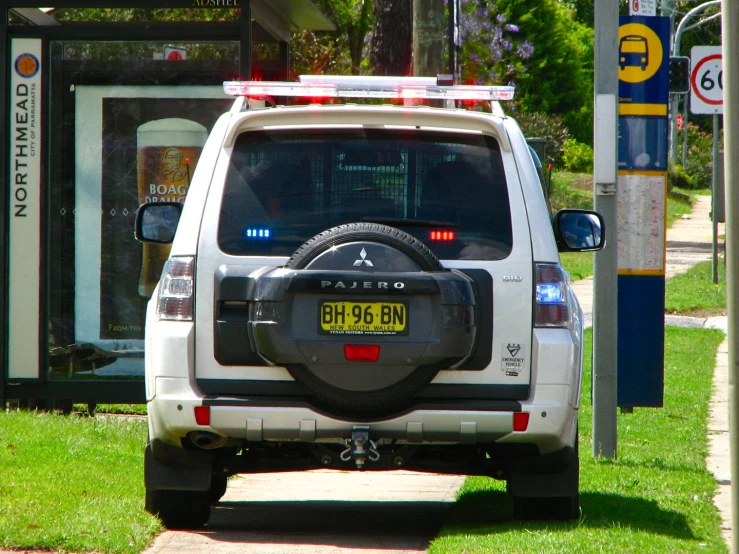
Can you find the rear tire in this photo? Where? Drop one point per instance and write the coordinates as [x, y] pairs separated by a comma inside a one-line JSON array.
[[218, 486], [548, 496], [179, 509]]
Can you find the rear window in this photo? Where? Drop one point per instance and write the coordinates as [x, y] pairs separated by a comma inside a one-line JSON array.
[[446, 189]]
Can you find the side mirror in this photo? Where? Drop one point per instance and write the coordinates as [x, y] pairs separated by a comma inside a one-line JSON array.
[[157, 222], [579, 231]]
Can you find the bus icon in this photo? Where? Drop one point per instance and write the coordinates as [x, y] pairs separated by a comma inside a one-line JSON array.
[[633, 52]]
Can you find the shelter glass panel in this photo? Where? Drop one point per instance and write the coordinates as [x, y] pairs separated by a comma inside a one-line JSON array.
[[127, 127]]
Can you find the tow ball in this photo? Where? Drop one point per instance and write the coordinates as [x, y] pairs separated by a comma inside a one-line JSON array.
[[360, 447]]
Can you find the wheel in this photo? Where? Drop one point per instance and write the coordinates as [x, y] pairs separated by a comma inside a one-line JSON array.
[[179, 509], [360, 232], [548, 496], [218, 485]]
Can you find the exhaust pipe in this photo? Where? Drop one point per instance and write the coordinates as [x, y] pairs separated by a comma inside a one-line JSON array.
[[206, 439]]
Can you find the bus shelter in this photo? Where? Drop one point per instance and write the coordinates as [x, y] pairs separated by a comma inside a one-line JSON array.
[[99, 117]]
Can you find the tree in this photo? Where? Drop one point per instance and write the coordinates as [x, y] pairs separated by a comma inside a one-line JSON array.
[[428, 37], [390, 46], [353, 20], [492, 50], [559, 72]]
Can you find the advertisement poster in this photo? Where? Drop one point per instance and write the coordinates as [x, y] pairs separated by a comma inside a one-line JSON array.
[[148, 144]]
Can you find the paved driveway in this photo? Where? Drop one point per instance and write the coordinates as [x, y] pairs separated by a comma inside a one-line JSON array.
[[321, 512]]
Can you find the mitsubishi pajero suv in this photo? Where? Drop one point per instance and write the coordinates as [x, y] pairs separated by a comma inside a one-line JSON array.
[[364, 287]]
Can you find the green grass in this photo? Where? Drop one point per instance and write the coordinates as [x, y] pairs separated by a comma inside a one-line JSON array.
[[655, 498], [578, 264], [121, 409], [571, 190], [73, 483], [575, 190], [694, 293], [677, 207]]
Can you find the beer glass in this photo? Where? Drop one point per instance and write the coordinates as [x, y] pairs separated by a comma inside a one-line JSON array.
[[167, 152]]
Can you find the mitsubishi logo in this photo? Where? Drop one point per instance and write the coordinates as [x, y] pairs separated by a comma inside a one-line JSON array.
[[363, 260]]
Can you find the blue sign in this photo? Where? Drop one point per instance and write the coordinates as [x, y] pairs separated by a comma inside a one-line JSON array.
[[643, 63]]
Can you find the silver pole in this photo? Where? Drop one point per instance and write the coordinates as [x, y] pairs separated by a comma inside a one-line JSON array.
[[730, 29], [605, 295], [685, 131], [714, 192], [675, 51]]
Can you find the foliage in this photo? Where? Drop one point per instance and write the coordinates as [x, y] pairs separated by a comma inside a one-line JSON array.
[[678, 177], [706, 33], [578, 157], [339, 52], [700, 155], [492, 50], [542, 125], [571, 190], [559, 72], [318, 54], [146, 14]]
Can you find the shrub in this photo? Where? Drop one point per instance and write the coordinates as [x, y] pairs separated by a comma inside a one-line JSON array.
[[679, 178], [578, 157], [541, 125], [699, 160]]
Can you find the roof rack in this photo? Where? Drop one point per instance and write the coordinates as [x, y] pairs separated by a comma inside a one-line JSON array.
[[353, 86]]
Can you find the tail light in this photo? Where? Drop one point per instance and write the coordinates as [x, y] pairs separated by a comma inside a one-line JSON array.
[[175, 300], [362, 352], [552, 308]]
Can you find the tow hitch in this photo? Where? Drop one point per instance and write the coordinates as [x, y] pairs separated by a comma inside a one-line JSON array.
[[360, 447]]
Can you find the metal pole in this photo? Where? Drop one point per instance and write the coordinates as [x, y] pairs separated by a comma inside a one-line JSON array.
[[714, 189], [730, 54], [675, 49], [685, 131], [245, 32], [605, 294], [4, 195]]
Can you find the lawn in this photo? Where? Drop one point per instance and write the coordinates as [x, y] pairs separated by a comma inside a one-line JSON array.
[[72, 483], [575, 190], [694, 292], [656, 497]]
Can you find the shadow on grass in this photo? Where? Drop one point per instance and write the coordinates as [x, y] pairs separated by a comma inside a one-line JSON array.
[[484, 512]]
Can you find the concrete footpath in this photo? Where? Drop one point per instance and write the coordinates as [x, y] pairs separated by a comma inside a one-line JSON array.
[[689, 241], [321, 512]]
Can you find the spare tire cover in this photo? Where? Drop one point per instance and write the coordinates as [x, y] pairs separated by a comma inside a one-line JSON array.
[[358, 251]]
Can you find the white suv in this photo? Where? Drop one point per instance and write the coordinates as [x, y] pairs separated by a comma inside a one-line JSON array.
[[364, 287]]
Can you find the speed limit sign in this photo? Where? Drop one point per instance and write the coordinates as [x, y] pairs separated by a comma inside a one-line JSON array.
[[706, 80]]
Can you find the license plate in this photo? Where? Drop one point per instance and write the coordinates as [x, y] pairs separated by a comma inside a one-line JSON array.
[[363, 318]]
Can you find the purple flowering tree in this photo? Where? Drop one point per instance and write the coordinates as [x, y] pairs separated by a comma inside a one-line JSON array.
[[493, 52]]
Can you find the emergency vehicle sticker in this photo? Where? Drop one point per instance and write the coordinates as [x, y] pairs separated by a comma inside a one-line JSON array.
[[512, 362]]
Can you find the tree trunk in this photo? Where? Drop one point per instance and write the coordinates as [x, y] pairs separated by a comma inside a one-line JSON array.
[[390, 50], [428, 37], [357, 33]]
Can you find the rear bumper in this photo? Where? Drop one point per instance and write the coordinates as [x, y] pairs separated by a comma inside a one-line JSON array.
[[551, 425]]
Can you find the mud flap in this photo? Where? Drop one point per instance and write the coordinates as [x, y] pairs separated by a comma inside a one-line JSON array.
[[546, 485], [192, 475]]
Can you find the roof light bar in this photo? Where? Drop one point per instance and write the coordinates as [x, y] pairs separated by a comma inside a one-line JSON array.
[[352, 86]]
